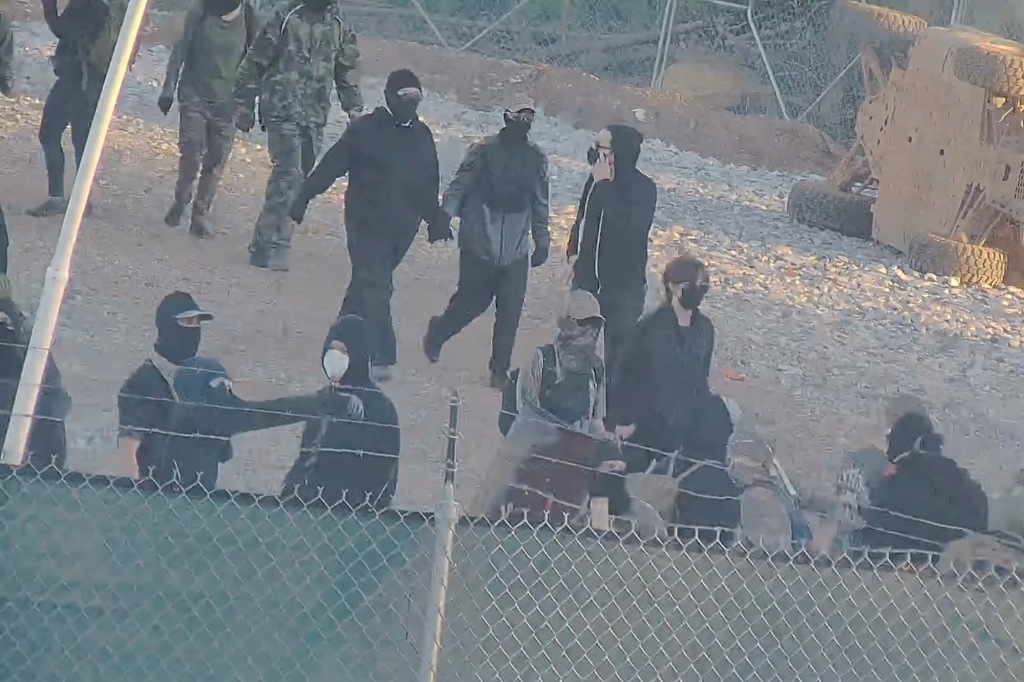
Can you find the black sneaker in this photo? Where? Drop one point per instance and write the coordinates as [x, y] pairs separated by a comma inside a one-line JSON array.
[[500, 380], [431, 348], [257, 256], [197, 228], [52, 206], [174, 214]]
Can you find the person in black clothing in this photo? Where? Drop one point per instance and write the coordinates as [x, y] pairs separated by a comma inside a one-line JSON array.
[[500, 193], [64, 104], [925, 500], [607, 247], [7, 90], [47, 441], [206, 415], [349, 451], [663, 369], [390, 158], [145, 402]]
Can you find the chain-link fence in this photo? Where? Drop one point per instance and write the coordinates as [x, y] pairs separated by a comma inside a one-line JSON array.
[[115, 579]]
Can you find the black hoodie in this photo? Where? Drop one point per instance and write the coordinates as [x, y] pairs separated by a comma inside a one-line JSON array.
[[613, 222], [349, 453]]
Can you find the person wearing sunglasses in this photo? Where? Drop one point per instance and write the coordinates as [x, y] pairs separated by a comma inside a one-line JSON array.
[[393, 185], [663, 369], [500, 194], [607, 249]]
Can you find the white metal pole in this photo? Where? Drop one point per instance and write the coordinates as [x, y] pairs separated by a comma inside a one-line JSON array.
[[57, 274]]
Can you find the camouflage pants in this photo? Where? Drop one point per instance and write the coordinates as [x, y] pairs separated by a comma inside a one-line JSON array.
[[293, 151], [206, 134]]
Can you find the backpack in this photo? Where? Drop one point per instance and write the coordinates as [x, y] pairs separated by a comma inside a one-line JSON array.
[[100, 49], [549, 392]]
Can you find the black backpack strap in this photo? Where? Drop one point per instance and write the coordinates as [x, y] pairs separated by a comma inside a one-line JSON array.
[[549, 373]]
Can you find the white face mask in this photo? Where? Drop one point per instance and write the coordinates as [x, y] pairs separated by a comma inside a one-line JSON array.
[[335, 364]]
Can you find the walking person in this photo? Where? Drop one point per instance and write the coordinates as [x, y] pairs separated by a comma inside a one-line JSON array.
[[607, 247], [500, 193], [60, 110], [202, 68], [391, 162], [300, 52]]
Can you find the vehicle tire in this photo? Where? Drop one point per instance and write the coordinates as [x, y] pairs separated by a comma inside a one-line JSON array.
[[993, 63], [969, 263], [817, 205], [876, 25]]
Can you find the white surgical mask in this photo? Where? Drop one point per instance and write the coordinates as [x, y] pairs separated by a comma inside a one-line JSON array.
[[335, 364]]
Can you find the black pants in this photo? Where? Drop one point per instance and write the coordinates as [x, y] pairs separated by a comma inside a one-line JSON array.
[[65, 106], [621, 310], [4, 242], [374, 261], [481, 282]]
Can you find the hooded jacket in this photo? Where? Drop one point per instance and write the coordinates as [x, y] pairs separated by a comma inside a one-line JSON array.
[[613, 221], [393, 175], [349, 450], [500, 194]]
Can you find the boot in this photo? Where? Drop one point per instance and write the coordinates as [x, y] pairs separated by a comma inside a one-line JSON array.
[[431, 346], [199, 227], [174, 214], [257, 255], [500, 380], [52, 206], [277, 258]]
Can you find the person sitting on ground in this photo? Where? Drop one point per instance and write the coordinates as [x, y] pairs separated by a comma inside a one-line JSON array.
[[350, 449], [925, 500]]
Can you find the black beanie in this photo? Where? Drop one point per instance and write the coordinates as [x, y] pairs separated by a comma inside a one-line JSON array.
[[402, 78]]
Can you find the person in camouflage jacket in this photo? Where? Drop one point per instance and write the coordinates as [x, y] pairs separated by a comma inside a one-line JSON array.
[[302, 50]]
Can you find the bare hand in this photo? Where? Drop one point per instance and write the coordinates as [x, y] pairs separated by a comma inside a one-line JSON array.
[[603, 169], [624, 432], [612, 465]]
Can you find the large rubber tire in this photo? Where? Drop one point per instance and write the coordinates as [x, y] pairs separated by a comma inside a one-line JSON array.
[[993, 63], [817, 205], [969, 263], [874, 25]]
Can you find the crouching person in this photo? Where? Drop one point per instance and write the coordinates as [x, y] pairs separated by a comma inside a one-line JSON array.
[[47, 441], [350, 446], [552, 416]]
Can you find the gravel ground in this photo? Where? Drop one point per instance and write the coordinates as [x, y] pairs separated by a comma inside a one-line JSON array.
[[815, 329]]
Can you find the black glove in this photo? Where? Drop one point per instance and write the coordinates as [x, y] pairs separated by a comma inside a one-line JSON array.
[[245, 119], [539, 257], [164, 103], [440, 228], [298, 211]]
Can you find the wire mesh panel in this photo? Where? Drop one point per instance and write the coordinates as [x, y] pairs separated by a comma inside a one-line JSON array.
[[530, 604], [104, 581]]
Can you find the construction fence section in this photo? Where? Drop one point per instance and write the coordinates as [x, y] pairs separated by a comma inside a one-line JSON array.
[[108, 579]]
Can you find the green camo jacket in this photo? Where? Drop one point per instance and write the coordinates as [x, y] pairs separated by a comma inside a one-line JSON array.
[[299, 54]]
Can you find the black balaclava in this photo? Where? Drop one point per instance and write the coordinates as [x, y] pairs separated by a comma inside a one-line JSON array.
[[175, 343], [221, 8], [319, 5], [402, 95], [517, 125], [625, 146], [354, 332], [913, 432]]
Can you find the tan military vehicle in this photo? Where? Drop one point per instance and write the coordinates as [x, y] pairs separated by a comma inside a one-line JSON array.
[[938, 169]]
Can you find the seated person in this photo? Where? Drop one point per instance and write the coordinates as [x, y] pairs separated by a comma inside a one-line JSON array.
[[925, 500], [204, 418], [350, 447]]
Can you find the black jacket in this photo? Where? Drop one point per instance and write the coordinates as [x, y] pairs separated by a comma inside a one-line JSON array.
[[70, 28], [660, 377], [393, 175], [613, 222], [500, 193]]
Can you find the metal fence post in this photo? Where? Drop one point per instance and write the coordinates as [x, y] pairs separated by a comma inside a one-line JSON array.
[[668, 21], [57, 273], [446, 519], [764, 58]]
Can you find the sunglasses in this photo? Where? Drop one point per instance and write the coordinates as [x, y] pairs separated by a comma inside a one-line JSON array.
[[524, 116], [590, 322], [410, 94]]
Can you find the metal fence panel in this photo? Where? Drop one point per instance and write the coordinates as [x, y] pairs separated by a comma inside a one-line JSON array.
[[103, 583]]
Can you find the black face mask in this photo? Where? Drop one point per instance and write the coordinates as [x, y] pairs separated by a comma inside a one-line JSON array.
[[221, 8], [691, 296], [592, 155], [403, 109], [176, 343], [319, 5], [518, 129]]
